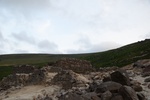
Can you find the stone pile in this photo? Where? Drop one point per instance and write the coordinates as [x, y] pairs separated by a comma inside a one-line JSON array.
[[76, 65]]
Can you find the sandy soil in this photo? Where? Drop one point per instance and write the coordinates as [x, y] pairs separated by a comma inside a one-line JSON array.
[[29, 92]]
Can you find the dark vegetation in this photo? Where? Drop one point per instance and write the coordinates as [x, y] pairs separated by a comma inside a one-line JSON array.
[[121, 56], [116, 57]]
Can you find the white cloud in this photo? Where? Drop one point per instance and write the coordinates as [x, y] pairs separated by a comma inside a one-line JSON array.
[[71, 26], [23, 37], [49, 47]]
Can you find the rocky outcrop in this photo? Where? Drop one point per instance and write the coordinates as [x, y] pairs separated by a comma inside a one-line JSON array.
[[76, 65]]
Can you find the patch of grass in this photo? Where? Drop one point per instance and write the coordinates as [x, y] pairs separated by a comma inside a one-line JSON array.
[[5, 71], [121, 56]]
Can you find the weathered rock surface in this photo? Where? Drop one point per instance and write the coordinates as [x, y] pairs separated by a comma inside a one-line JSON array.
[[68, 79], [26, 69], [106, 95], [111, 86], [117, 97], [147, 79], [128, 93], [37, 77], [76, 65], [121, 77]]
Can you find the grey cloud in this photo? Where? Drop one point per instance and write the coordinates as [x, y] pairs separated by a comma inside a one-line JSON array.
[[1, 36], [23, 37], [27, 8], [20, 51], [147, 36], [2, 40], [25, 4], [48, 47], [84, 41], [86, 46], [95, 48]]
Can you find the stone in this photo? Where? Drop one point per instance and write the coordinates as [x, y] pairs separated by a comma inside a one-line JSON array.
[[147, 79], [117, 97], [106, 79], [141, 96], [137, 88], [121, 77], [111, 86], [146, 69], [71, 96], [145, 74], [91, 96], [94, 85], [128, 93], [106, 95]]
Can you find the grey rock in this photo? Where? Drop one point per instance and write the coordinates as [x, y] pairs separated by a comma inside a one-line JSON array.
[[106, 95], [141, 96], [91, 96], [111, 86], [117, 97], [147, 79], [128, 93], [121, 77]]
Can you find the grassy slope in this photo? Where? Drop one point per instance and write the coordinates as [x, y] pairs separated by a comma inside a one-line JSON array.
[[121, 56], [117, 57]]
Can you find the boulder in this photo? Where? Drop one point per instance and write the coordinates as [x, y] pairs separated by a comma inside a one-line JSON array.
[[121, 77], [117, 97], [106, 95], [147, 79], [145, 74], [137, 88], [128, 93], [111, 86], [106, 79], [141, 96], [146, 69], [71, 96], [91, 96]]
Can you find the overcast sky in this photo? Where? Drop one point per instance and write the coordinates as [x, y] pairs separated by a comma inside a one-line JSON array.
[[71, 26]]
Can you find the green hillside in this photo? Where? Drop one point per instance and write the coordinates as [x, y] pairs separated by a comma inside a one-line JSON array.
[[116, 57], [121, 56]]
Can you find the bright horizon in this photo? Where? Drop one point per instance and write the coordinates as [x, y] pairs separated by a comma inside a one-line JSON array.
[[71, 27]]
